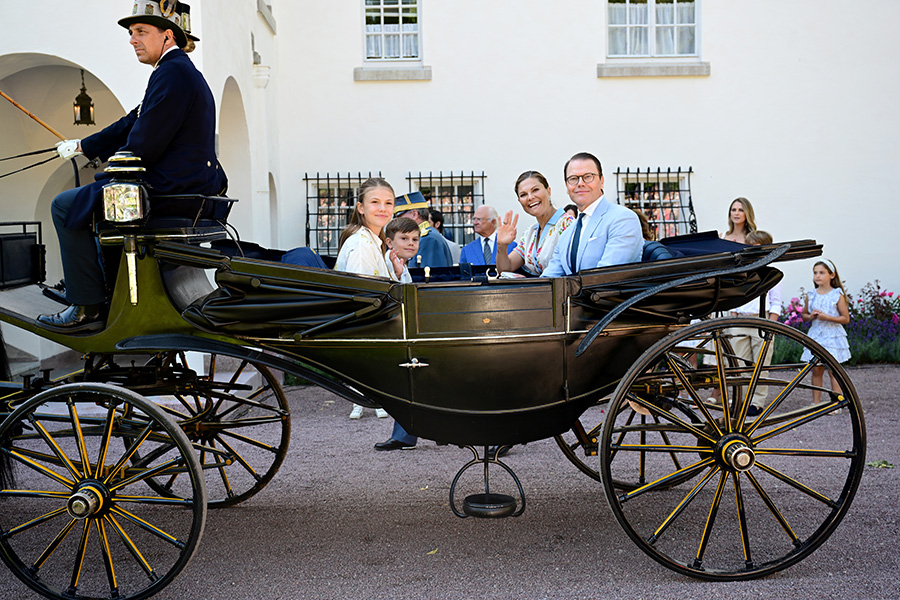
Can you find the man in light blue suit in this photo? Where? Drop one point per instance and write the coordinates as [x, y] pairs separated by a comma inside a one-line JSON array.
[[483, 249], [605, 233]]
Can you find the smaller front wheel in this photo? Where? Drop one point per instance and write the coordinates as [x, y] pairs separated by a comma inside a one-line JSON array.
[[741, 474], [80, 520]]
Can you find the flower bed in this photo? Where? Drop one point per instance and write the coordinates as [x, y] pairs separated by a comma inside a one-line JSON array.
[[873, 331]]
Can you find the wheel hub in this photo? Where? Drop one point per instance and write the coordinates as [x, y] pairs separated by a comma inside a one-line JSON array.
[[87, 501], [737, 454]]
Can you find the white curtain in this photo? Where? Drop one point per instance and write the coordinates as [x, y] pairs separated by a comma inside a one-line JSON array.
[[665, 30]]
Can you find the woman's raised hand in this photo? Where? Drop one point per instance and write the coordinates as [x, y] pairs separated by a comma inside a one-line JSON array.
[[506, 232]]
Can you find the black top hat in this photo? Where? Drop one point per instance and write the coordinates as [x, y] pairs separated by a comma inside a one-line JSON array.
[[167, 14]]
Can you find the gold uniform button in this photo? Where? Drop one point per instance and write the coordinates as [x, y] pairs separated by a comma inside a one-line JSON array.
[[208, 164]]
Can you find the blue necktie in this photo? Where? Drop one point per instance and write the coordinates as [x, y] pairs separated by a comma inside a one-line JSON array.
[[487, 252], [573, 252]]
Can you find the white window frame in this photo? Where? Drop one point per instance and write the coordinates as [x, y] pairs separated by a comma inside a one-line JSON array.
[[392, 68], [654, 64], [381, 35], [652, 27]]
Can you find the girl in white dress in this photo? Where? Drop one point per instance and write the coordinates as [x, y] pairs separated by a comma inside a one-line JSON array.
[[361, 246], [826, 308]]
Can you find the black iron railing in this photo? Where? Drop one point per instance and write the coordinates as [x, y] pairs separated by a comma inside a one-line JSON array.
[[456, 195], [664, 196], [329, 200]]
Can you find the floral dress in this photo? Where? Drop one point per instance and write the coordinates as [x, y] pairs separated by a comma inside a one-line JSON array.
[[829, 334], [536, 250]]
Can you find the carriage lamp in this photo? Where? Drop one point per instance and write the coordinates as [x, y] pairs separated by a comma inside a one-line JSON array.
[[84, 106], [125, 203]]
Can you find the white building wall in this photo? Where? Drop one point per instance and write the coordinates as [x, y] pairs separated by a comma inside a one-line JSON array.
[[794, 114], [797, 113]]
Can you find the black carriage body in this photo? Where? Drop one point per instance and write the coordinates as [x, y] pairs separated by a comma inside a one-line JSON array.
[[487, 361]]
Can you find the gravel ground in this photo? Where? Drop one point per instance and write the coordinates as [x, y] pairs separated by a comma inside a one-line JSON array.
[[342, 521]]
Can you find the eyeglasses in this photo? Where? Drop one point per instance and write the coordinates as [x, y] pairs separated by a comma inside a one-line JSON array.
[[587, 178]]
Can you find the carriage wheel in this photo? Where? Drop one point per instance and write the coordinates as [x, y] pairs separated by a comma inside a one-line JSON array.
[[582, 443], [236, 414], [728, 496], [79, 520]]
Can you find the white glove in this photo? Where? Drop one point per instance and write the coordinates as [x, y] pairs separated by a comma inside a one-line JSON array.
[[68, 149]]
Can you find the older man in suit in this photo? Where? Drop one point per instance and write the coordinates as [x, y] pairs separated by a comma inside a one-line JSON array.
[[172, 131], [605, 233], [483, 249]]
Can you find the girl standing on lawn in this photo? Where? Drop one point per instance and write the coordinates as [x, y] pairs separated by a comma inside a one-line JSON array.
[[826, 308]]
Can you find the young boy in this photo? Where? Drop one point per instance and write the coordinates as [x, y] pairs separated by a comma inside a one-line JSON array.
[[402, 239]]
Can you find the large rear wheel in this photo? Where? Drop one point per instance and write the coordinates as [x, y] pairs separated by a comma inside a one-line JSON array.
[[725, 495]]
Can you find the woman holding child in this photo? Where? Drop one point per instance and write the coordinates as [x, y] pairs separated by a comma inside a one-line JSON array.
[[535, 247]]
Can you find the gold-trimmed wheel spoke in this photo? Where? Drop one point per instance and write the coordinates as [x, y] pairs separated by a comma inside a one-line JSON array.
[[53, 545], [130, 546], [35, 522], [55, 448], [682, 505], [796, 484], [146, 526], [785, 526], [711, 519]]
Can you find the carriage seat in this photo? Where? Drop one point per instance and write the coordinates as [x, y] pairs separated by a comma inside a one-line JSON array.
[[207, 224]]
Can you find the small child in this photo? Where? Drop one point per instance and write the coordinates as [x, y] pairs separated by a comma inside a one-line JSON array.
[[402, 239], [746, 341], [826, 307]]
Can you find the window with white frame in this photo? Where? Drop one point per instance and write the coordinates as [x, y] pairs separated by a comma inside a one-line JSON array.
[[392, 30], [648, 28]]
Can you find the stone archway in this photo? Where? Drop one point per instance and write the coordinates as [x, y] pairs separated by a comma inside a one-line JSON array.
[[46, 85], [234, 154]]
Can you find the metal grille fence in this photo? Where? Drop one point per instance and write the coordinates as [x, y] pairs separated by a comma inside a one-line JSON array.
[[456, 195], [663, 196], [329, 200]]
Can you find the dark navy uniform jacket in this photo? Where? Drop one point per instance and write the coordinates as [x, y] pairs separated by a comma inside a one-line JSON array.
[[433, 249], [172, 131]]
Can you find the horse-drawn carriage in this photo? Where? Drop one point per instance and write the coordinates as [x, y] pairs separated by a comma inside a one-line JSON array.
[[111, 469]]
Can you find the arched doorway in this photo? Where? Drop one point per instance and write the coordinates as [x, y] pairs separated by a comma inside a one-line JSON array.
[[46, 85], [234, 154]]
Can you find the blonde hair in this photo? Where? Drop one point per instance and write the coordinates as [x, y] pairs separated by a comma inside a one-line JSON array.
[[357, 219], [758, 237], [749, 218], [835, 278]]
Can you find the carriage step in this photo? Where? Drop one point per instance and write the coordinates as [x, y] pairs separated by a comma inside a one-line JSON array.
[[489, 506]]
